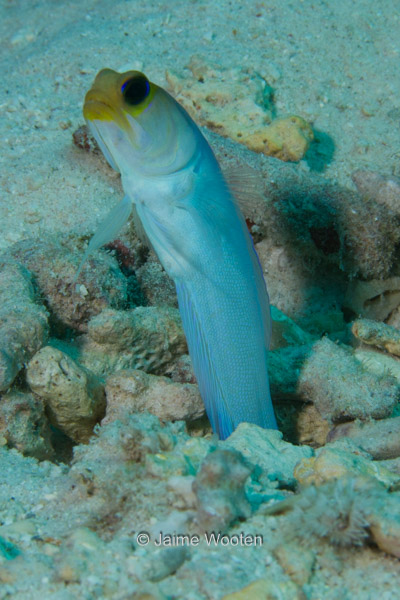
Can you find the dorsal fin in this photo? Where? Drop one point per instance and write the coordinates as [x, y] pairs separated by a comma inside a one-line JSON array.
[[247, 186]]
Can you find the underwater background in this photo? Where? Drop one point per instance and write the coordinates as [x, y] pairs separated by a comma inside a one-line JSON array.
[[112, 484]]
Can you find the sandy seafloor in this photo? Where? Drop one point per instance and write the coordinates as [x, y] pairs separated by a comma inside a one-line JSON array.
[[332, 63], [336, 64]]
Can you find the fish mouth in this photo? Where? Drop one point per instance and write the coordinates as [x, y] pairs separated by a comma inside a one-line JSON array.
[[99, 109]]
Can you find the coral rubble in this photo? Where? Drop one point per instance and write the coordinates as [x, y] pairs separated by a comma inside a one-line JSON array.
[[238, 104], [144, 502], [23, 321], [74, 398], [130, 391]]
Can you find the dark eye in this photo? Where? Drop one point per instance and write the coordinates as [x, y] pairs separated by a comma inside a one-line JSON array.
[[135, 90]]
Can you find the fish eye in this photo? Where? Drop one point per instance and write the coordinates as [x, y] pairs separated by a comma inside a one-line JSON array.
[[136, 89]]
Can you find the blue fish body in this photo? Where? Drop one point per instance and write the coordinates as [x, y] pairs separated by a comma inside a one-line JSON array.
[[174, 183]]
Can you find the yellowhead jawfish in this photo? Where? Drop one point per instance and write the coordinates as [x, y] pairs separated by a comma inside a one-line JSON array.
[[174, 186]]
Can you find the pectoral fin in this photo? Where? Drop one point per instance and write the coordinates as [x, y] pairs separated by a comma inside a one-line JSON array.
[[108, 229]]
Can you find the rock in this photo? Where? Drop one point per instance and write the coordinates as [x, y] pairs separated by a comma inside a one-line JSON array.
[[297, 562], [297, 287], [24, 425], [384, 524], [134, 391], [157, 287], [182, 458], [136, 451], [74, 398], [162, 563], [122, 445], [71, 304], [23, 322], [330, 376], [338, 461], [86, 546], [394, 318], [377, 334], [392, 464], [147, 338], [374, 299], [287, 138], [378, 363], [182, 370], [327, 378], [342, 512], [384, 189], [339, 227], [237, 104], [230, 102], [265, 589], [148, 591], [182, 489], [341, 388], [219, 489], [266, 449], [381, 439], [311, 428]]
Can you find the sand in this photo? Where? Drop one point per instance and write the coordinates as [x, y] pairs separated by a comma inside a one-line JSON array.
[[334, 64]]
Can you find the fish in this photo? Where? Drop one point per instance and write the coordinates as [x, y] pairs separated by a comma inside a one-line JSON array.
[[180, 199]]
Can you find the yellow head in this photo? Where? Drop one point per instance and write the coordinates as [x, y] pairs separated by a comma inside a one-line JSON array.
[[139, 127]]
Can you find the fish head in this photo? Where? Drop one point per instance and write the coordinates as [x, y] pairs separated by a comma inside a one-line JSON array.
[[138, 125]]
